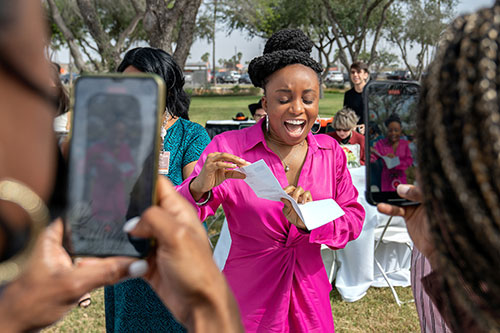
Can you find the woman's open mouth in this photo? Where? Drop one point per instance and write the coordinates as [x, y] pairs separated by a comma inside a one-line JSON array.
[[295, 127]]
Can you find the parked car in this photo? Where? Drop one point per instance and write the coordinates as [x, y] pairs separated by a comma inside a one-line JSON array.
[[245, 78], [335, 77], [225, 77], [235, 74], [400, 75]]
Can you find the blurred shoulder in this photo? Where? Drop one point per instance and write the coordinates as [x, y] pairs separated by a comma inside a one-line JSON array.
[[191, 126]]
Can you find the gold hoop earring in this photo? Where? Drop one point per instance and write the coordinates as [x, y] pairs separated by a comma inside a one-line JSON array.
[[16, 192]]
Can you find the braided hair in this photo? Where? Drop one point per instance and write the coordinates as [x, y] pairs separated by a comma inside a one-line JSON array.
[[285, 47], [459, 159]]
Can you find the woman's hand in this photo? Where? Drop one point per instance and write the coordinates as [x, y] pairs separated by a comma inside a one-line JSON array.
[[300, 196], [217, 168], [181, 270], [391, 155], [51, 285], [416, 220]]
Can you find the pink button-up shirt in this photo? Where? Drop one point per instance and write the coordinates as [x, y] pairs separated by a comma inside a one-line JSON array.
[[391, 178], [275, 270]]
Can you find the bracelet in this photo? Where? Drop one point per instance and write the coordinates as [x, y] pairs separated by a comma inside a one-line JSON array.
[[209, 196]]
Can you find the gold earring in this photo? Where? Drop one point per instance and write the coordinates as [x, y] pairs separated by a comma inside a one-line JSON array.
[[16, 192]]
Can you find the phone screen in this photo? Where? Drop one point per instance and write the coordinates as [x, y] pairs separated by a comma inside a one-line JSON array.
[[112, 161], [390, 110]]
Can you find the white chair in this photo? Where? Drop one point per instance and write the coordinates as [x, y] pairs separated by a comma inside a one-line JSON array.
[[391, 234]]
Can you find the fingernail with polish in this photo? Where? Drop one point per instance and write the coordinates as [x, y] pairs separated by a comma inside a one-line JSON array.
[[403, 189], [138, 268], [130, 224]]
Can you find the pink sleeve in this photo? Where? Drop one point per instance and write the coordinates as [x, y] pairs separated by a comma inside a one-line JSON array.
[[405, 160], [217, 192], [374, 157], [346, 228]]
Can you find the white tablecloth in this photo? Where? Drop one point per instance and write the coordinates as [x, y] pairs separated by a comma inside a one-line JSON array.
[[356, 270]]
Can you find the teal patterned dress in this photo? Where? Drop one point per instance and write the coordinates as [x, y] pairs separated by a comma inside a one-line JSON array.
[[132, 306]]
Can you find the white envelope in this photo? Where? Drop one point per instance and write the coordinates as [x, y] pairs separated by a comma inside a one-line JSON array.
[[314, 214]]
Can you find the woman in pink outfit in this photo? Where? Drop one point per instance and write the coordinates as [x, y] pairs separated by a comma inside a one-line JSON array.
[[393, 147], [274, 265]]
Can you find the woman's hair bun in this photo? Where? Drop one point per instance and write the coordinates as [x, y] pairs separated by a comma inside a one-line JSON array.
[[289, 39], [285, 47]]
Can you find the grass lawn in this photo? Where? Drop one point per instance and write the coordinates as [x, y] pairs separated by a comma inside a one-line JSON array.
[[376, 312], [226, 107]]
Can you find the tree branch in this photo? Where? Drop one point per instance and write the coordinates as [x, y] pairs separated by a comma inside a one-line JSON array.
[[130, 28], [68, 35], [377, 31]]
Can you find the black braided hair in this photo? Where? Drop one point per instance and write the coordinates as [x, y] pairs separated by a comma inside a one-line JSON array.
[[458, 128], [285, 47]]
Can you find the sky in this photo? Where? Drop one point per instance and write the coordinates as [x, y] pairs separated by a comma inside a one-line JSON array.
[[229, 44]]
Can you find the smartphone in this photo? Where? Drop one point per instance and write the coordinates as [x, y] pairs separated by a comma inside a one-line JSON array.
[[390, 147], [113, 161]]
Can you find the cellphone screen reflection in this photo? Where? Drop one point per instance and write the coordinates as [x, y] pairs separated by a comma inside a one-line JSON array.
[[111, 163], [391, 131]]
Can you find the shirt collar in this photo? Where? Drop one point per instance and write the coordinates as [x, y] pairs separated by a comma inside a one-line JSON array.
[[255, 135]]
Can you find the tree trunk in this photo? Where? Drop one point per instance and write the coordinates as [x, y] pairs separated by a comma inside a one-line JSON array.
[[160, 23], [68, 35], [110, 57], [186, 33]]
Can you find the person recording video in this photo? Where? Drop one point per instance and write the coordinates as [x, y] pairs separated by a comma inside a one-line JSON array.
[[457, 226], [49, 285]]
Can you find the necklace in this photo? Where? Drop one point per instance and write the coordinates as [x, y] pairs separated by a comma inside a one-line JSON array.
[[285, 165]]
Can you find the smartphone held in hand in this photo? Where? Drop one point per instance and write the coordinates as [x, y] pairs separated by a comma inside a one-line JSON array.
[[113, 161], [390, 146]]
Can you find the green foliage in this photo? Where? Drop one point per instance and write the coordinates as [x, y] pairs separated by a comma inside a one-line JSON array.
[[418, 24], [205, 57]]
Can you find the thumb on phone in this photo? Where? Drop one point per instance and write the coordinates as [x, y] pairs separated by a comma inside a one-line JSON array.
[[410, 192]]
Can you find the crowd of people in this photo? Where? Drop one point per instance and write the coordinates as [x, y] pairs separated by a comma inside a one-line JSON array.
[[274, 279]]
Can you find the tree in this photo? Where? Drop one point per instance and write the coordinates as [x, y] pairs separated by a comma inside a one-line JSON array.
[[167, 22], [205, 57], [352, 23], [264, 17], [102, 30], [419, 25], [383, 59], [328, 23], [98, 30]]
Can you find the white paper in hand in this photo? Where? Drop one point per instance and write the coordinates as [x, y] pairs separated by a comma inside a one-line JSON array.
[[391, 162], [314, 214]]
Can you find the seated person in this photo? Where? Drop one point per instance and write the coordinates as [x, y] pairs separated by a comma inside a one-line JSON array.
[[257, 111], [240, 117], [344, 123]]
